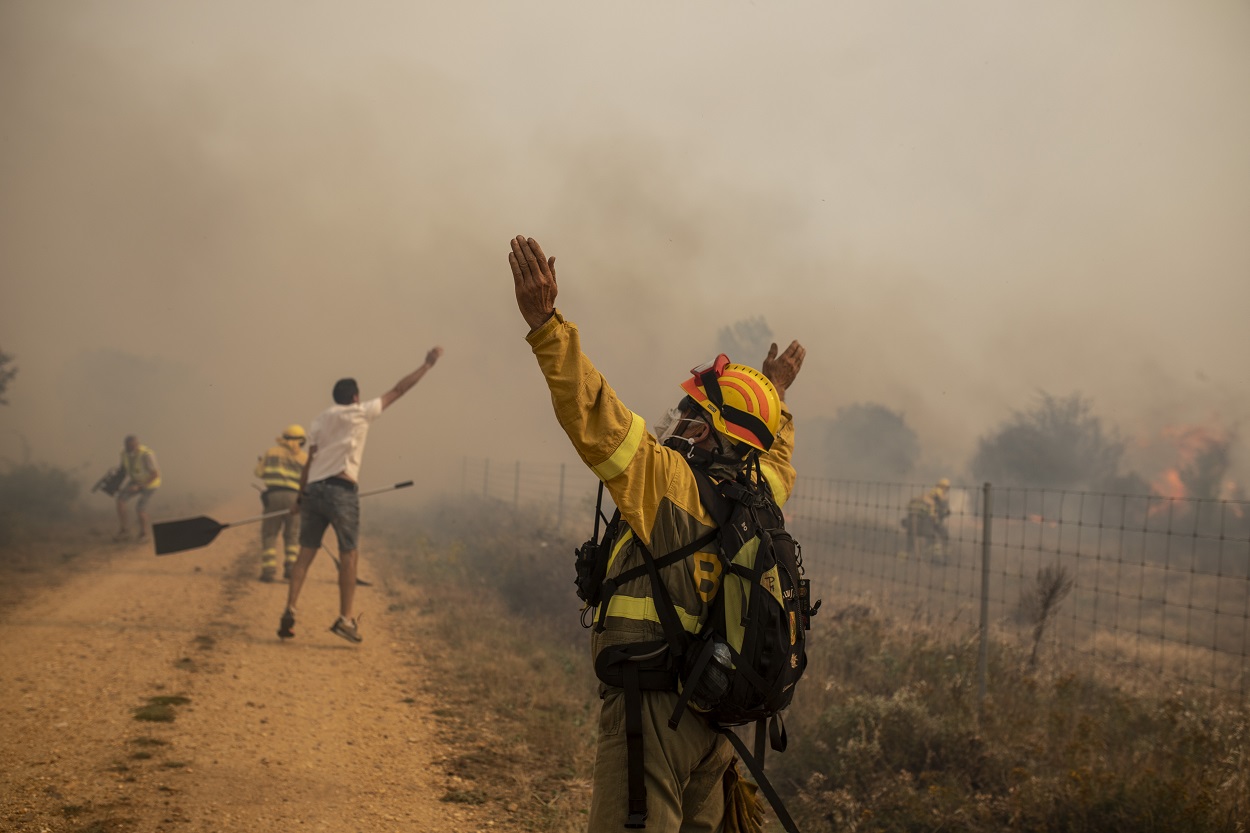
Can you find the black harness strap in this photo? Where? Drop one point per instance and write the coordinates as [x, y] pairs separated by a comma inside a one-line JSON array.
[[611, 585], [692, 682], [637, 783], [777, 733], [712, 500], [756, 768], [675, 636], [667, 560], [664, 608], [745, 671]]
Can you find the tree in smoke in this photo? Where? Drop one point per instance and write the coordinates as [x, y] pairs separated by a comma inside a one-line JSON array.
[[867, 441], [745, 341], [7, 372], [1057, 444]]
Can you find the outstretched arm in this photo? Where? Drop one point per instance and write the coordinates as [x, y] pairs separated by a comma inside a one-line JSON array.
[[406, 384], [612, 441], [777, 463]]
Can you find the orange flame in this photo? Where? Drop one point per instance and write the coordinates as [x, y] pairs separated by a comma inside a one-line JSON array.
[[1191, 443], [1169, 485]]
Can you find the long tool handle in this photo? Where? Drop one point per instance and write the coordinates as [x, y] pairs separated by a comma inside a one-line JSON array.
[[257, 518], [403, 485]]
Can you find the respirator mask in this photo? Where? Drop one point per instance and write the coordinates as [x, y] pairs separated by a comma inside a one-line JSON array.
[[667, 430]]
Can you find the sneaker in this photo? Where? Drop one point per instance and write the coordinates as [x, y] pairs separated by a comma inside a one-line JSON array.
[[285, 624], [121, 537], [267, 574], [142, 539], [347, 629]]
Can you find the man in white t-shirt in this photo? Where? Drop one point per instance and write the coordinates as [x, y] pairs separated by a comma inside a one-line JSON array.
[[328, 494]]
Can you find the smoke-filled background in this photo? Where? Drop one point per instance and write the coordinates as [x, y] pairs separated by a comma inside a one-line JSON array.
[[211, 211]]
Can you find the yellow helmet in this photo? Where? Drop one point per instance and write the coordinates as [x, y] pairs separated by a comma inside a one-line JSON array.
[[743, 404], [944, 483], [295, 433]]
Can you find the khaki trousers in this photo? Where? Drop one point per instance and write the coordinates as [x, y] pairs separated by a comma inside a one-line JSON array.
[[285, 525], [683, 769]]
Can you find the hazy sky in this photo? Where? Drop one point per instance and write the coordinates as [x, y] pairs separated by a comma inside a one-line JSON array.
[[210, 211]]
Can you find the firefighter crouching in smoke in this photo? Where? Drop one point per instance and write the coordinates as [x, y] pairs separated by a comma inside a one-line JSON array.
[[684, 770], [280, 469], [926, 522], [143, 479]]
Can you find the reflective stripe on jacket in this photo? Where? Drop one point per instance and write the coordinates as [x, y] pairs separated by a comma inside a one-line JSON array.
[[651, 485], [281, 468], [140, 466]]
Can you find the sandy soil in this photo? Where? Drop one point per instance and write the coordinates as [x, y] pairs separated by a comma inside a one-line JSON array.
[[311, 734]]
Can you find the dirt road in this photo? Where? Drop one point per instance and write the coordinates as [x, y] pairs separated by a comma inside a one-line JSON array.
[[312, 734]]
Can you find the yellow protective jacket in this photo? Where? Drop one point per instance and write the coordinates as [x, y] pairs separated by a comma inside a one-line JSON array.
[[140, 466], [651, 485], [940, 506], [281, 467]]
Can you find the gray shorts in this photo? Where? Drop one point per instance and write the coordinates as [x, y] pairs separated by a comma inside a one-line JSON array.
[[325, 503], [144, 496]]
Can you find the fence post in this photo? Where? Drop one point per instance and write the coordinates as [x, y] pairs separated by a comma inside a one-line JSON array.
[[983, 657], [516, 487], [486, 478], [560, 500]]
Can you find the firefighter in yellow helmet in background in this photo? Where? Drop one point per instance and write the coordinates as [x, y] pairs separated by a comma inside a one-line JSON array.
[[926, 522], [280, 469]]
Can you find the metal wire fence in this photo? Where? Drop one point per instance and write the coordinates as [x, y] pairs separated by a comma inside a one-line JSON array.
[[1146, 584], [1160, 586], [530, 484]]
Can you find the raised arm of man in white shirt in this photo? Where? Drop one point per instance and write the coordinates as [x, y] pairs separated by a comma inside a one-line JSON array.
[[406, 384]]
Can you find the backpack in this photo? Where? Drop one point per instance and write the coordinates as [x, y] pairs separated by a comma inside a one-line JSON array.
[[744, 665], [111, 482]]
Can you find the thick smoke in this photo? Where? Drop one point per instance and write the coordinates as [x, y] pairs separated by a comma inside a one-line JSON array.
[[210, 212]]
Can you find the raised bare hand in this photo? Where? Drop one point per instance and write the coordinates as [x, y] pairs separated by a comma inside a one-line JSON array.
[[781, 370], [432, 357], [534, 278]]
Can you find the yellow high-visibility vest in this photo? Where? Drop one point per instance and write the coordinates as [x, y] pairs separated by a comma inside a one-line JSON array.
[[140, 466], [281, 468]]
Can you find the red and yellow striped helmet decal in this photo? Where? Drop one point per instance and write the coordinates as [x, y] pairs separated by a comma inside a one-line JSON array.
[[743, 404]]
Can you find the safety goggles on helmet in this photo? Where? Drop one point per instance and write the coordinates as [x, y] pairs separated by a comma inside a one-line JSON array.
[[741, 401]]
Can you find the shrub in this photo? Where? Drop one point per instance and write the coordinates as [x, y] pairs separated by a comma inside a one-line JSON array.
[[34, 494], [885, 736], [1057, 444], [867, 441], [745, 341]]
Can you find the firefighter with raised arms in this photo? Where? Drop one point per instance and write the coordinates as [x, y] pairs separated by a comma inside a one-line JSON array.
[[730, 415]]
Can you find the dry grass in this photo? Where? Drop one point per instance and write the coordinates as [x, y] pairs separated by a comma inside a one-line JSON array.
[[885, 733], [517, 696], [886, 737]]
